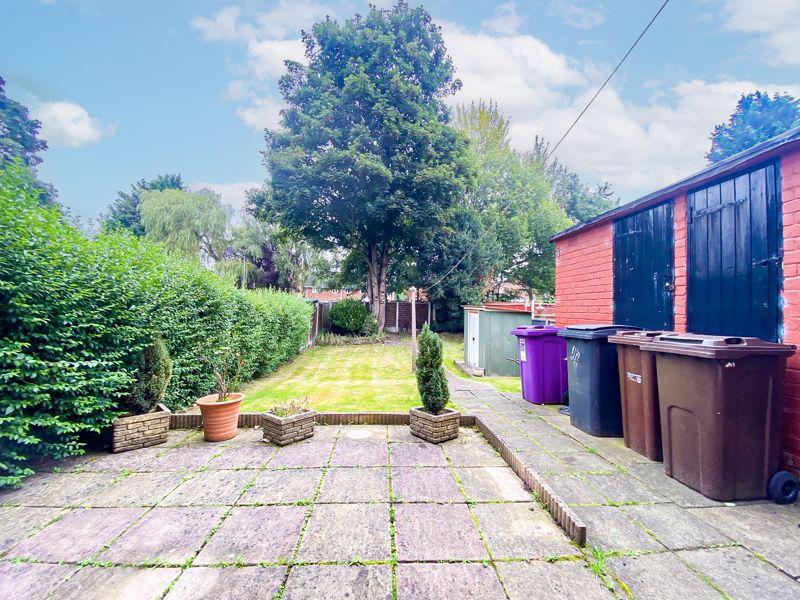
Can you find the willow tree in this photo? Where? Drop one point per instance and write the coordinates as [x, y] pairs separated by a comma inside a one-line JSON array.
[[365, 159]]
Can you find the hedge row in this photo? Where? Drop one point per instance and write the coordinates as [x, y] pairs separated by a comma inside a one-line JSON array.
[[75, 312]]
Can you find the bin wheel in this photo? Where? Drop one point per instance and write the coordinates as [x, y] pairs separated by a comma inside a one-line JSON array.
[[783, 487]]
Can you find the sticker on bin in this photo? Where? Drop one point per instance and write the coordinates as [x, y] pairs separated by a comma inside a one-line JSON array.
[[574, 355], [522, 350], [633, 377]]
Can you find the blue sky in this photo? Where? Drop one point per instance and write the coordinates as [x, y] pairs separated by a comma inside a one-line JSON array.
[[129, 90]]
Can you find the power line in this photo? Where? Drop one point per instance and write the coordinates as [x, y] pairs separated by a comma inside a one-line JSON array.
[[563, 137]]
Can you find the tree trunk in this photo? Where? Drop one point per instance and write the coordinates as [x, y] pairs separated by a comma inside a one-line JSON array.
[[377, 267]]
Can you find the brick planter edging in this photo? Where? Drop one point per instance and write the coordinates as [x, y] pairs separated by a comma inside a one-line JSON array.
[[561, 512], [435, 428], [253, 419], [140, 431], [287, 430]]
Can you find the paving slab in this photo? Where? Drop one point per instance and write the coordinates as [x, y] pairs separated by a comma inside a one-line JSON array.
[[559, 442], [19, 523], [184, 458], [66, 489], [333, 582], [285, 486], [425, 532], [210, 488], [346, 532], [367, 453], [363, 433], [132, 460], [522, 443], [401, 433], [585, 461], [424, 484], [521, 530], [325, 433], [255, 534], [12, 496], [230, 583], [464, 452], [562, 580], [433, 581], [762, 527], [405, 454], [660, 577], [66, 539], [117, 583], [621, 488], [574, 490], [653, 475], [302, 454], [32, 581], [675, 527], [166, 536], [542, 462], [492, 484], [609, 529], [253, 456], [246, 437], [175, 437], [349, 484], [741, 575], [139, 489]]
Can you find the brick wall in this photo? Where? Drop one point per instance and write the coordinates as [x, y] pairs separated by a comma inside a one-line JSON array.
[[584, 277], [679, 261], [790, 198]]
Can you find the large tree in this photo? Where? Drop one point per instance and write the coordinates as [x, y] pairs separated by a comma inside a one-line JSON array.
[[365, 159], [124, 211], [757, 117]]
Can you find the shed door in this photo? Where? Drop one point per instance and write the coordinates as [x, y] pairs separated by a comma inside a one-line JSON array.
[[735, 256], [643, 268], [472, 343]]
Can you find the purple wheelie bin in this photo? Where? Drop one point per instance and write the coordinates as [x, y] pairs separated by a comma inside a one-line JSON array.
[[542, 363]]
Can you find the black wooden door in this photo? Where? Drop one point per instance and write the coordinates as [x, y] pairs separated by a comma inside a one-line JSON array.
[[643, 286], [734, 257]]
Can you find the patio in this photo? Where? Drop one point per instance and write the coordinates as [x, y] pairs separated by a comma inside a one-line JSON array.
[[358, 511]]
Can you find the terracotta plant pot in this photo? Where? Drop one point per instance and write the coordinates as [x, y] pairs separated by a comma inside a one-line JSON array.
[[434, 428], [220, 418]]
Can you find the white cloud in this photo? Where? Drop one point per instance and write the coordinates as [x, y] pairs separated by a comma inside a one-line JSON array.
[[232, 194], [261, 113], [223, 26], [776, 22], [578, 14], [288, 17], [505, 21], [69, 124], [265, 58]]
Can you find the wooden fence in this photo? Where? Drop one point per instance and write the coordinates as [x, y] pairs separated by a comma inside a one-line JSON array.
[[398, 317]]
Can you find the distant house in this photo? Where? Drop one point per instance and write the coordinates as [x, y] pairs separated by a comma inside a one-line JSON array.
[[312, 292], [717, 252]]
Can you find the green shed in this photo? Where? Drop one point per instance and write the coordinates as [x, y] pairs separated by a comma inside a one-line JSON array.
[[488, 345]]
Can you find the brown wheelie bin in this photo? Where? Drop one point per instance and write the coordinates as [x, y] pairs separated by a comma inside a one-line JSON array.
[[641, 421], [721, 400]]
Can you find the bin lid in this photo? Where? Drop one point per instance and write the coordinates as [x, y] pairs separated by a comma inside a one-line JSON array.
[[594, 331], [534, 330], [634, 338], [715, 346]]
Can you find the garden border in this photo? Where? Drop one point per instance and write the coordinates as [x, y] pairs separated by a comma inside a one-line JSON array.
[[566, 518]]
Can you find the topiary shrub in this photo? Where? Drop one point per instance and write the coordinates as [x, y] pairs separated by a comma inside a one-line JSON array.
[[348, 316], [153, 372], [431, 381]]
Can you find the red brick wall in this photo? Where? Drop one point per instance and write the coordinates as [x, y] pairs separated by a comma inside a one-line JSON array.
[[790, 198], [679, 261], [584, 277]]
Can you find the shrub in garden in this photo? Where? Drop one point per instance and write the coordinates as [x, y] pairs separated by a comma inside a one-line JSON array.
[[153, 370], [348, 316], [431, 381]]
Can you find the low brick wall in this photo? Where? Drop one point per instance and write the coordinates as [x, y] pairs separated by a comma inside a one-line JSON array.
[[252, 419], [141, 431], [435, 428]]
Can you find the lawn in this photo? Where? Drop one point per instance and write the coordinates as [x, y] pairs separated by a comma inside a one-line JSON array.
[[341, 379], [454, 350]]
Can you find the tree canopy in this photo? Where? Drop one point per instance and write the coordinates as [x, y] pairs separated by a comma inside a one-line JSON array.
[[19, 134], [757, 117], [365, 159], [124, 212]]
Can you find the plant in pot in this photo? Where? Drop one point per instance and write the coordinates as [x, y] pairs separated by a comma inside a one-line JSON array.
[[288, 422], [432, 421], [220, 410], [147, 420]]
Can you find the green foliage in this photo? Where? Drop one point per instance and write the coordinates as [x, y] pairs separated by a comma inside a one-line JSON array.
[[431, 381], [77, 313], [124, 211], [152, 372], [757, 118], [370, 326], [289, 407], [365, 159], [348, 316], [18, 132]]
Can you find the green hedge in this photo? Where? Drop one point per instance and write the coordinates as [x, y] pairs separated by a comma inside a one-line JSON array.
[[75, 312]]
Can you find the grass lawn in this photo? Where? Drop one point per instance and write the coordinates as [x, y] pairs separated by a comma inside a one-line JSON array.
[[454, 350], [341, 379]]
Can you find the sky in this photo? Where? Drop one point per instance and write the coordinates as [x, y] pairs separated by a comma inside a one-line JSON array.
[[128, 90]]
